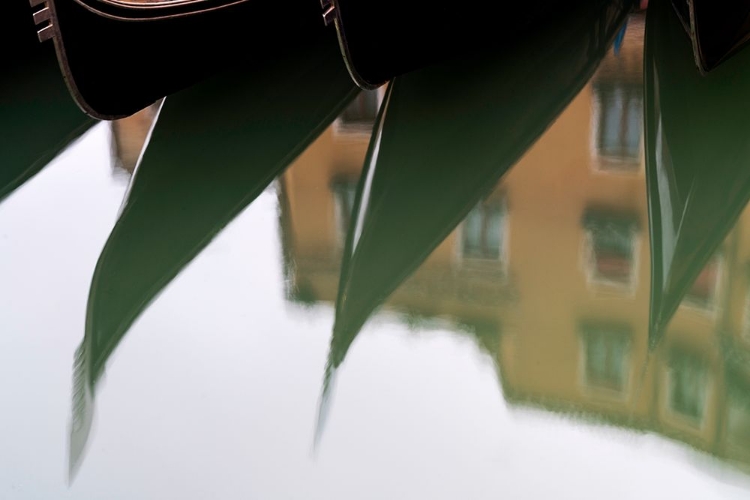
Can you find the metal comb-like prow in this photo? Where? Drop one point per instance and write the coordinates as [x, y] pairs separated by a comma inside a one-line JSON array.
[[43, 19], [329, 11]]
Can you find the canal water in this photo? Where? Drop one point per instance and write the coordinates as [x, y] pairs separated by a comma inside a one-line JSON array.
[[503, 287]]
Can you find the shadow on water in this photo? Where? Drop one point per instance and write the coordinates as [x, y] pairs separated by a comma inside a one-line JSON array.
[[444, 137], [697, 160], [216, 147], [37, 114]]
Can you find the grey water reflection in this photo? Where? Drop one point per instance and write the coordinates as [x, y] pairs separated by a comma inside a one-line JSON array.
[[548, 271]]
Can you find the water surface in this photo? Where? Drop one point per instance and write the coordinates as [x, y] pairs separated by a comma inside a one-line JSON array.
[[489, 325]]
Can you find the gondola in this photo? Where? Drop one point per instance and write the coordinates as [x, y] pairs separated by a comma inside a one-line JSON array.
[[119, 57], [216, 147], [38, 117], [717, 30]]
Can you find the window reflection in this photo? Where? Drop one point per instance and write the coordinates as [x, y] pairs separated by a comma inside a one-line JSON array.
[[702, 293], [606, 354], [688, 384], [620, 124], [610, 239], [617, 104], [738, 414], [483, 232]]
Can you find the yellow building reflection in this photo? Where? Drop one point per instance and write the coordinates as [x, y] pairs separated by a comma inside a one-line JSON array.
[[129, 135], [551, 271]]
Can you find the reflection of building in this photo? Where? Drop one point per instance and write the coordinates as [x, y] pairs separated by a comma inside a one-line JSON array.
[[359, 116], [552, 272], [617, 92], [128, 136], [463, 278]]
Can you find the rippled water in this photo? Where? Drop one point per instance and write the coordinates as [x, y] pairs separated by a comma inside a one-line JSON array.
[[293, 296]]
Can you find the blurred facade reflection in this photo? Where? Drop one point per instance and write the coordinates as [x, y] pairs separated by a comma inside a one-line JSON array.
[[551, 271], [129, 135]]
